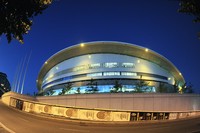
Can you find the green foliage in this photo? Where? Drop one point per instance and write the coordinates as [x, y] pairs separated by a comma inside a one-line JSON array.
[[63, 91], [78, 90], [187, 88], [191, 7], [17, 15], [67, 88], [162, 88], [92, 87], [175, 86], [141, 85], [117, 87], [51, 92]]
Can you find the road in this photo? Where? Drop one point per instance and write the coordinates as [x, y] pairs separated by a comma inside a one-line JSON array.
[[21, 122]]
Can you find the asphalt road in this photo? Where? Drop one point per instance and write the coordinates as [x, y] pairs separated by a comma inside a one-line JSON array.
[[21, 122]]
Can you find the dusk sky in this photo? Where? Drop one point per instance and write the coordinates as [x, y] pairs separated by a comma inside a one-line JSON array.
[[154, 24]]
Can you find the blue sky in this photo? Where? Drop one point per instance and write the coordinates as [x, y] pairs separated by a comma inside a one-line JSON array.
[[154, 24]]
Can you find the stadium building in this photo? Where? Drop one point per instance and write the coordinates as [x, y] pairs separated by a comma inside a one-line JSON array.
[[107, 67]]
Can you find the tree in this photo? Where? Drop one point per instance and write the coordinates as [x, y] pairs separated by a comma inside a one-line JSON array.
[[187, 88], [16, 16], [117, 87], [161, 88], [51, 92], [66, 89], [175, 86], [141, 85], [190, 88], [93, 86], [63, 91], [78, 90], [191, 7]]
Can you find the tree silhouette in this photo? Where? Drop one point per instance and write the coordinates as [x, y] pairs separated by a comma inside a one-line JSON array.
[[161, 88], [187, 88], [175, 86], [92, 86], [141, 85], [78, 90], [117, 87], [17, 15], [191, 7], [51, 92], [66, 89]]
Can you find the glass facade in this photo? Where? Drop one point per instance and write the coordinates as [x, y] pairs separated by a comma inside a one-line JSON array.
[[100, 72], [90, 66], [106, 89], [122, 75]]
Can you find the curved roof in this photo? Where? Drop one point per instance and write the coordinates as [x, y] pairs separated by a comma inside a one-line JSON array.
[[108, 47]]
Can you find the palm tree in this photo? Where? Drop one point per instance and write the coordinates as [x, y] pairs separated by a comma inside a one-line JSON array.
[[117, 87], [78, 90], [63, 91], [141, 85], [93, 86], [67, 88]]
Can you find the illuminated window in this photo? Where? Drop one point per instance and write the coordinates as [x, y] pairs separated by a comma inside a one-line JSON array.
[[111, 64], [97, 65], [128, 65], [79, 68], [128, 74], [94, 74], [111, 73]]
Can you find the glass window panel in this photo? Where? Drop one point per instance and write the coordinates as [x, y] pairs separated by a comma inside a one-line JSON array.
[[94, 74], [128, 74], [111, 73], [128, 65], [96, 65], [111, 64]]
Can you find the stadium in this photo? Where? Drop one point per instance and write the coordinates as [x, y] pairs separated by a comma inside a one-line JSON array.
[[108, 67]]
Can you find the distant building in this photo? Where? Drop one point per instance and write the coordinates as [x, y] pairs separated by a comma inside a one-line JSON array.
[[4, 84], [105, 67]]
